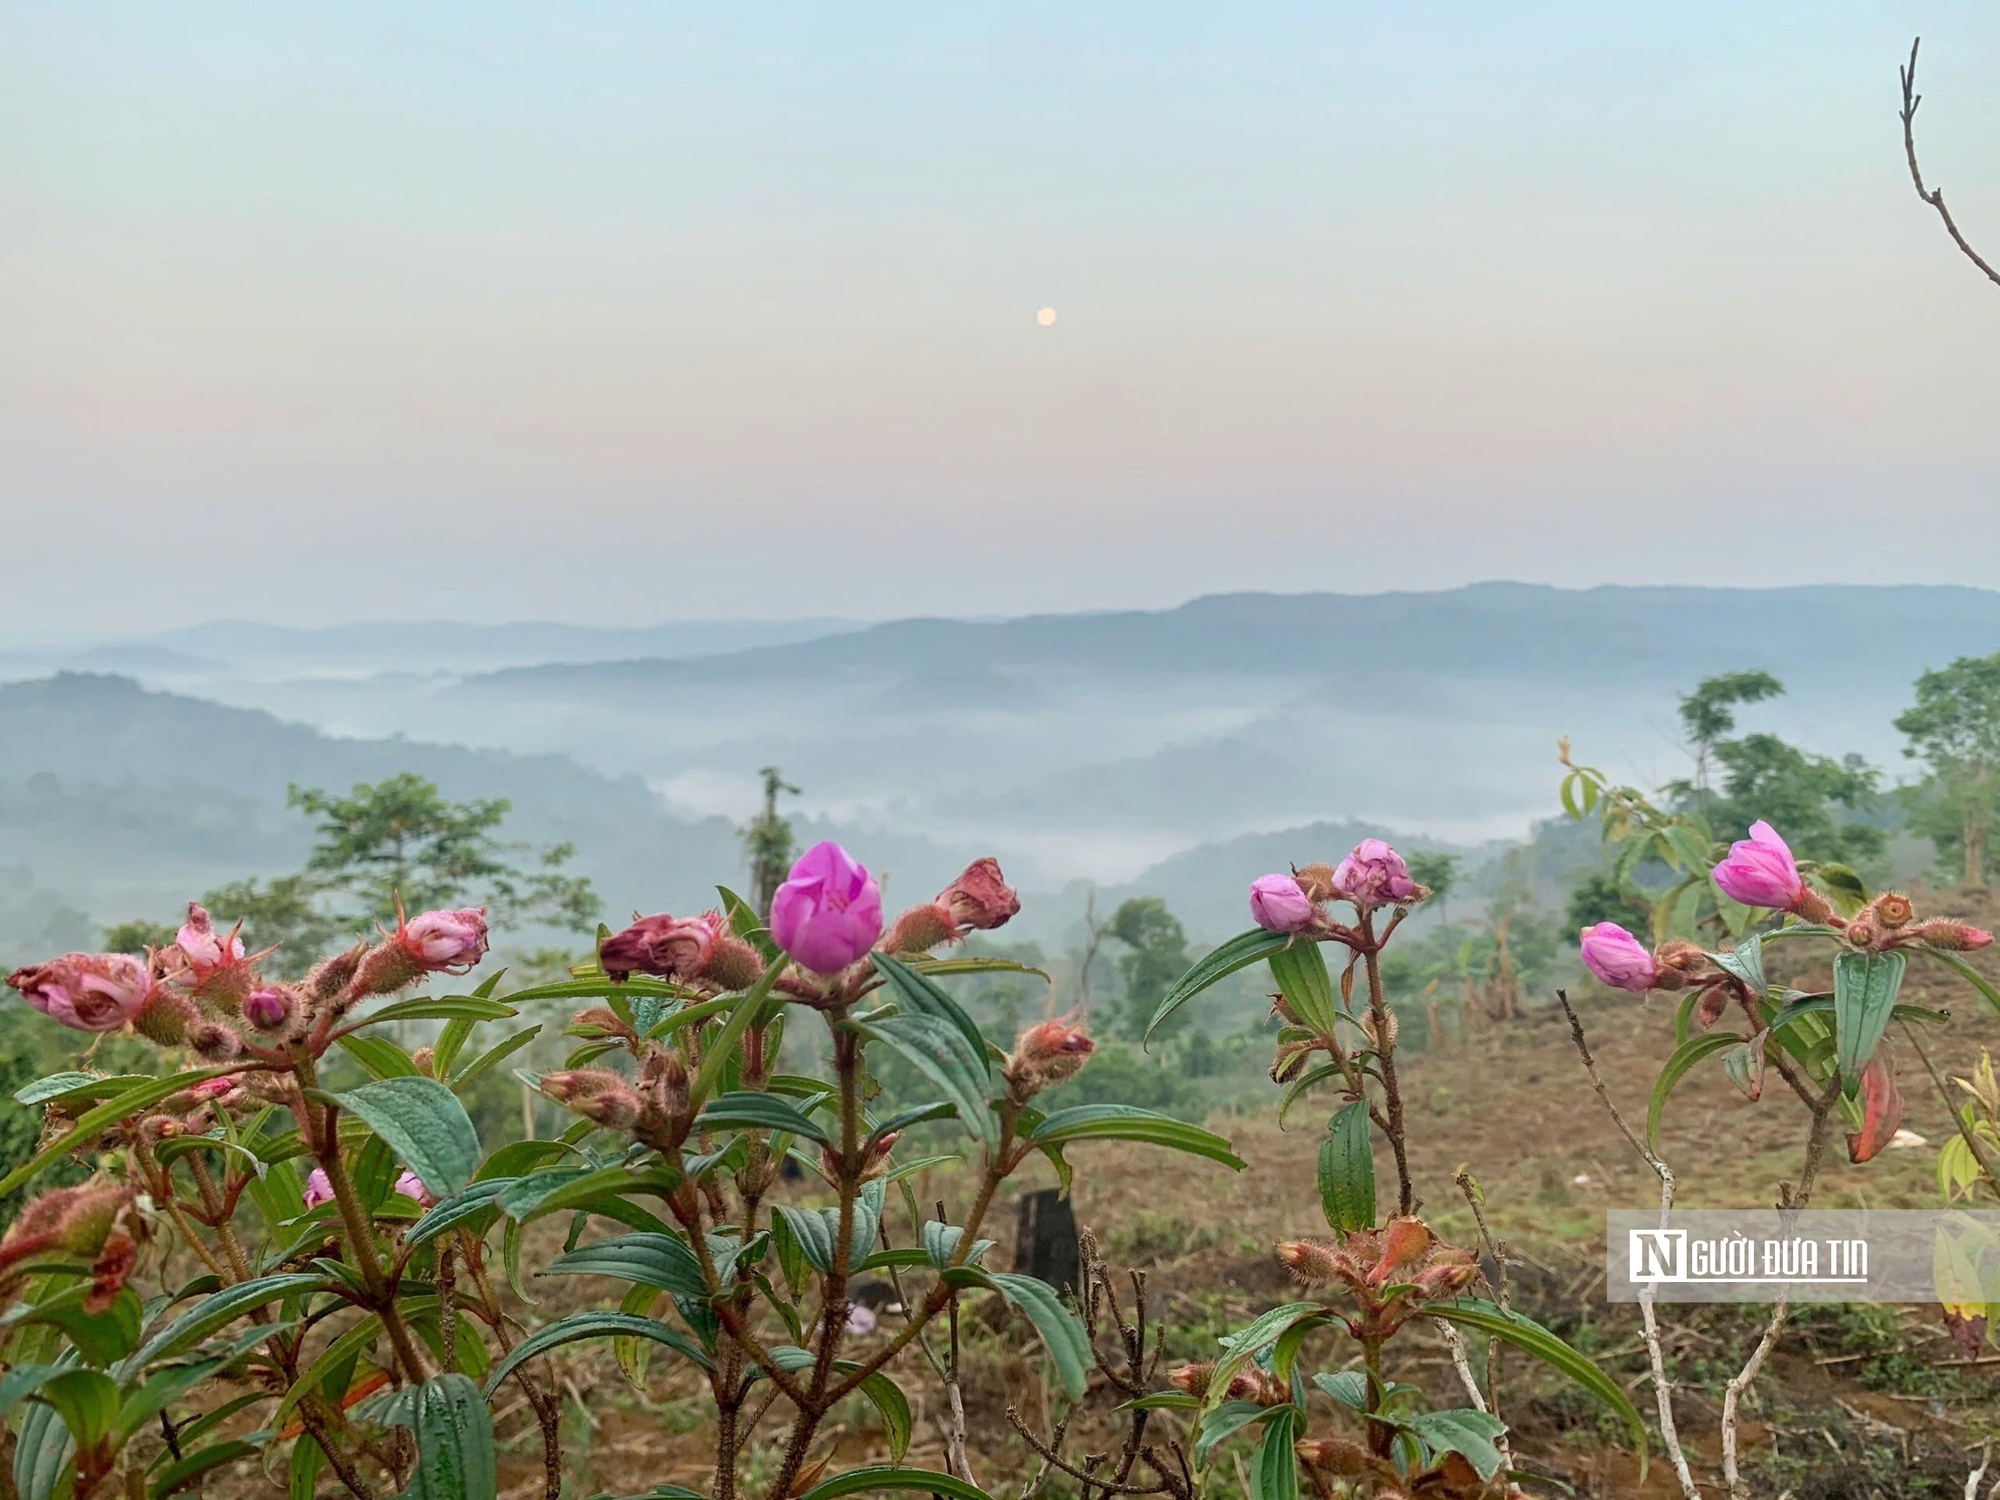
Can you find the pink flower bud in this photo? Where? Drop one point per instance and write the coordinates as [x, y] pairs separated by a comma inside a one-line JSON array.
[[1375, 875], [1760, 871], [446, 942], [1278, 904], [197, 940], [860, 1320], [1617, 958], [1881, 1110], [215, 1088], [410, 1185], [667, 946], [980, 898], [828, 913], [1046, 1054], [319, 1189], [86, 991], [1942, 932], [268, 1009]]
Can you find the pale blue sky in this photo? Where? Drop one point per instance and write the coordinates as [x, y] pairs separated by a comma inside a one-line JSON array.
[[621, 312]]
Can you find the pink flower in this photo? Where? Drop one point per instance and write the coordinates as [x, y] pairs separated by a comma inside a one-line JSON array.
[[267, 1009], [1374, 874], [668, 946], [1760, 871], [1617, 958], [1278, 905], [203, 948], [319, 1189], [449, 942], [86, 991], [410, 1185], [860, 1319], [829, 912]]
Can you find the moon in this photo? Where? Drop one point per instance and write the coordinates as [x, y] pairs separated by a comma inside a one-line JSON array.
[[1046, 316]]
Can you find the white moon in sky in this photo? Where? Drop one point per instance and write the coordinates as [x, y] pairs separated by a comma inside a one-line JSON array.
[[1046, 316]]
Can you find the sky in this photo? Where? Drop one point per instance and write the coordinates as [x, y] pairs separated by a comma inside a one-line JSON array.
[[621, 313]]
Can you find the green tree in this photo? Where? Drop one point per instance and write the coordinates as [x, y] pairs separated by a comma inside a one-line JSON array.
[[1706, 717], [401, 839], [1437, 870], [768, 842], [137, 938], [1954, 728], [1598, 897], [1800, 794], [1157, 957]]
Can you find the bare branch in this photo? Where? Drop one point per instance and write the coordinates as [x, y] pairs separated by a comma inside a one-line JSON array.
[[1933, 196]]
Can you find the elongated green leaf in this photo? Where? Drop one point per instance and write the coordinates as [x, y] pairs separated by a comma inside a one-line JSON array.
[[349, 1344], [1300, 971], [936, 1050], [1276, 1476], [1303, 1084], [423, 1122], [1527, 1335], [1864, 993], [1463, 1431], [746, 924], [1348, 1387], [903, 1119], [1062, 1333], [1161, 1401], [441, 1008], [1822, 1005], [759, 1112], [86, 1400], [1124, 1122], [42, 1453], [918, 995], [93, 1122], [200, 1462], [493, 1056], [378, 1056], [99, 1337], [721, 1047], [71, 1087], [880, 1477], [597, 1325], [474, 1208], [882, 1393], [941, 1242], [1959, 965], [215, 1311], [972, 964], [599, 1190], [1239, 952], [597, 986], [657, 1260], [1676, 1068], [1255, 1337], [454, 1429], [1347, 1169], [1224, 1421]]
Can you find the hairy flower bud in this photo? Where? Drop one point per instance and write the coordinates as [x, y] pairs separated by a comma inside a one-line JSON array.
[[1447, 1273], [921, 929], [1956, 937], [330, 977], [1278, 903], [980, 899], [268, 1008], [424, 1059], [733, 964], [1336, 1456], [1193, 1378], [1893, 909], [446, 942], [214, 1041], [165, 1018], [1316, 881], [86, 991], [198, 941], [1617, 958], [1405, 1241], [1315, 1262], [1046, 1054], [410, 1185], [319, 1189]]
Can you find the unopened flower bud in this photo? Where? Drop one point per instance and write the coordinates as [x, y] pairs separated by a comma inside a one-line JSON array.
[[165, 1018], [73, 1220], [331, 976], [1450, 1272], [1314, 1262], [1617, 958], [424, 1059], [1375, 875], [921, 929], [1335, 1456], [1316, 881], [1046, 1054], [319, 1189], [86, 991], [1405, 1241], [1278, 903], [214, 1041], [1956, 937], [1193, 1378], [1863, 931], [410, 1185], [268, 1008], [828, 913]]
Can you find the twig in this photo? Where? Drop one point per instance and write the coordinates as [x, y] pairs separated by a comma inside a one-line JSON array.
[[1663, 1389], [955, 1461], [1933, 196], [1972, 1479]]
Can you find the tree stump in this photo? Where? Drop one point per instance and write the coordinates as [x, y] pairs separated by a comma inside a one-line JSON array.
[[1045, 1245]]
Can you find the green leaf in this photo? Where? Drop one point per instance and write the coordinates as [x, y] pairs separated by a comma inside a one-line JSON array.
[[98, 1337], [882, 1393], [378, 1056], [349, 1344], [1303, 1084], [1676, 1068], [461, 1208], [1348, 1387], [440, 1008], [1229, 1418], [1347, 1169], [497, 1053], [1061, 1331], [1527, 1335], [1746, 962], [881, 1477], [1124, 1122], [937, 1051], [308, 1458], [657, 1260], [1257, 1336], [1864, 993], [746, 924], [454, 1442], [597, 1190], [1822, 1005], [903, 1119], [1239, 952], [70, 1087], [423, 1123], [918, 995], [92, 1122], [86, 1400], [941, 1242], [972, 964], [1161, 1401], [213, 1312], [200, 1462], [597, 1325], [1276, 1476], [1300, 971], [1461, 1430], [1957, 963], [42, 1453], [721, 1048], [746, 1110]]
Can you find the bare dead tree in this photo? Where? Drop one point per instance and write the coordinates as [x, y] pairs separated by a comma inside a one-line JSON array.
[[1933, 196]]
